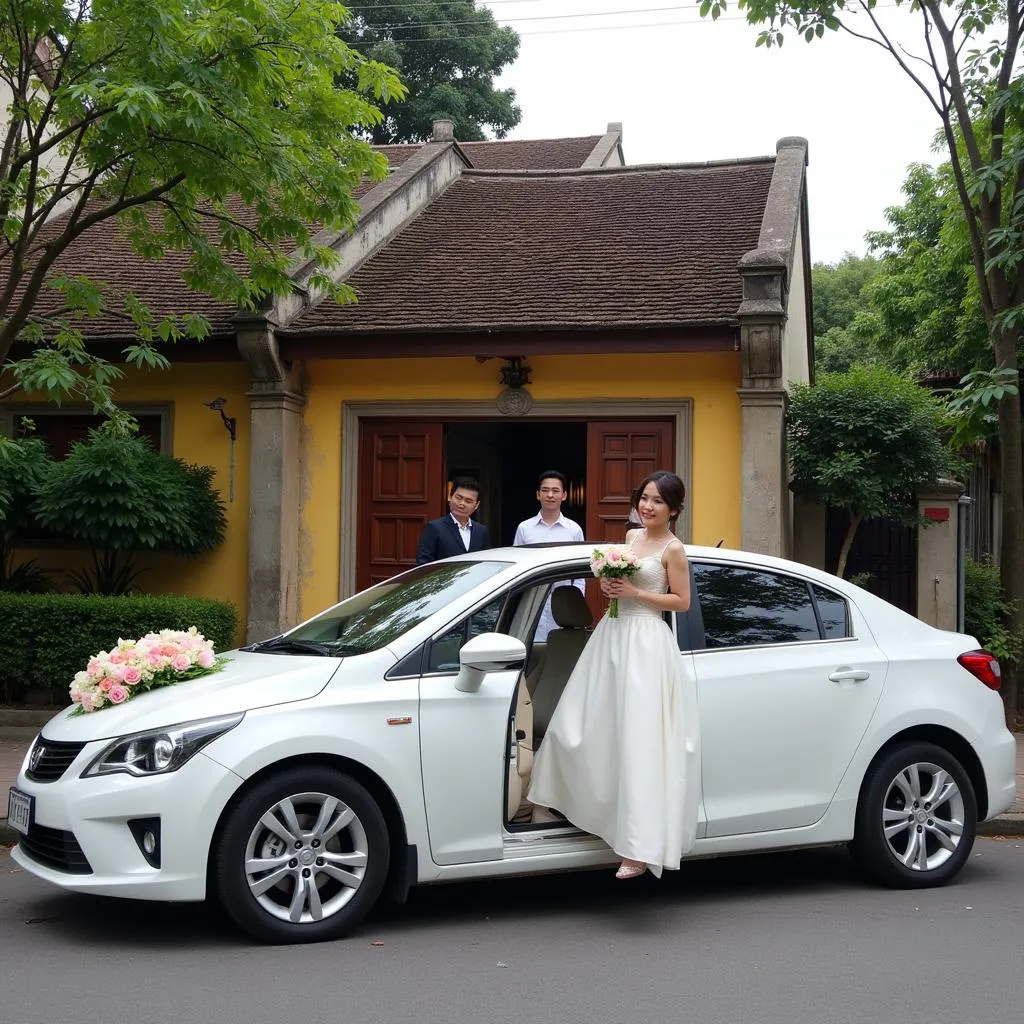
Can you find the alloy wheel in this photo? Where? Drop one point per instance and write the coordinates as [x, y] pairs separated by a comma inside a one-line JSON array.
[[923, 816], [306, 857]]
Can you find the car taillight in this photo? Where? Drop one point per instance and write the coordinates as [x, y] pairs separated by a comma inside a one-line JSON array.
[[982, 666]]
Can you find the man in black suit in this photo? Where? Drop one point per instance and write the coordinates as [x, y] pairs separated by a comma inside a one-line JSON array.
[[455, 533]]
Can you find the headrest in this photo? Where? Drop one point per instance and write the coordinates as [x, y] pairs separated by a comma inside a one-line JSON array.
[[569, 608]]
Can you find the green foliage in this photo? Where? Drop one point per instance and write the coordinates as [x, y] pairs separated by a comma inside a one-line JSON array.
[[924, 312], [974, 405], [987, 612], [120, 496], [839, 306], [46, 639], [866, 441], [448, 54], [215, 130], [23, 464]]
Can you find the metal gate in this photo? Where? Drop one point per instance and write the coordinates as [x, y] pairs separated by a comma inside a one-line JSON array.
[[885, 552]]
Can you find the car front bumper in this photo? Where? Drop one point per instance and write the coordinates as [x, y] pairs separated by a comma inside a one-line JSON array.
[[80, 837]]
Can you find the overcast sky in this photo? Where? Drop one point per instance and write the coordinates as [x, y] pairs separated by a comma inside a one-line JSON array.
[[702, 91]]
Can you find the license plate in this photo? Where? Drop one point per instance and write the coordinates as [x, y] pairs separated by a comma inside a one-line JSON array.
[[19, 811]]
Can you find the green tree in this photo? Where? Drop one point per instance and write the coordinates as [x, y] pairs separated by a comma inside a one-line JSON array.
[[120, 496], [839, 303], [967, 67], [865, 441], [213, 129], [924, 312], [448, 53], [23, 465]]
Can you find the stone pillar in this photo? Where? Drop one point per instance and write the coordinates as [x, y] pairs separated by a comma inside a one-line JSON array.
[[937, 555], [276, 404], [765, 495]]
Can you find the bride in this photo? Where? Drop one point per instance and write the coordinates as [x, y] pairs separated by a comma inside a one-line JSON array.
[[619, 756]]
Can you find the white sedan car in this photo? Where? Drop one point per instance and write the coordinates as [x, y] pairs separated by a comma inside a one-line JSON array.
[[388, 743]]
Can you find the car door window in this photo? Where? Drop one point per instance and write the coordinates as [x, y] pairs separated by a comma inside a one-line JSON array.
[[444, 650], [744, 607], [834, 613]]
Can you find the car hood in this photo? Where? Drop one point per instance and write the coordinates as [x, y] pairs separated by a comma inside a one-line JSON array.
[[246, 682]]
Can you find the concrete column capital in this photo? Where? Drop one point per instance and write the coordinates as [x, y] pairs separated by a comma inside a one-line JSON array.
[[773, 398]]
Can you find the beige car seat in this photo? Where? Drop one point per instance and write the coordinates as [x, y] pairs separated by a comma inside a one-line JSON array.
[[521, 763], [564, 646]]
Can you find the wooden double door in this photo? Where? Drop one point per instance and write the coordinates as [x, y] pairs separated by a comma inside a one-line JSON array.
[[403, 484]]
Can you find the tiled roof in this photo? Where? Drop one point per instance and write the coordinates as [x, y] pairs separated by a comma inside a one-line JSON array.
[[645, 246], [530, 154], [105, 255], [512, 154]]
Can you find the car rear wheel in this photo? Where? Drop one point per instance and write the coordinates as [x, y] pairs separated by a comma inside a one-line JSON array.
[[916, 818], [302, 856]]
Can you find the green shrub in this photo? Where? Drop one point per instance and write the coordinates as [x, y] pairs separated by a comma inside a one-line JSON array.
[[46, 638], [986, 611]]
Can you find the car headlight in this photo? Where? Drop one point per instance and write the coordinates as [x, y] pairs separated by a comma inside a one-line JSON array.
[[160, 750]]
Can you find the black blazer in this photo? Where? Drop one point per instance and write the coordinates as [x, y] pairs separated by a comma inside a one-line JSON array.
[[441, 539]]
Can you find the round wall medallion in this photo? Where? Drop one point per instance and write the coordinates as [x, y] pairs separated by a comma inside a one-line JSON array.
[[515, 402]]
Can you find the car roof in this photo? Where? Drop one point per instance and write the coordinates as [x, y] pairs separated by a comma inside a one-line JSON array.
[[534, 555]]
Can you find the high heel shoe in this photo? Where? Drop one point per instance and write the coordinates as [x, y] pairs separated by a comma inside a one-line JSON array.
[[630, 870]]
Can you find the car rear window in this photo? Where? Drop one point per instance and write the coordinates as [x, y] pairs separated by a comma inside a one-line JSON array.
[[374, 618]]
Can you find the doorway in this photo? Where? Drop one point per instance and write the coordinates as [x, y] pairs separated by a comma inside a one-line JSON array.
[[507, 459], [401, 466]]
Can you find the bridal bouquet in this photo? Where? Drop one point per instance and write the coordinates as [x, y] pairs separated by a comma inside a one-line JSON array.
[[134, 666], [612, 563]]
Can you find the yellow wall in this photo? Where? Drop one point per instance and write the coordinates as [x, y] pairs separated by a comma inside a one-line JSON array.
[[709, 379], [199, 437]]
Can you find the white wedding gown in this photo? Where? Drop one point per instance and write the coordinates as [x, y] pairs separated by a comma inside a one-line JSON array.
[[620, 758]]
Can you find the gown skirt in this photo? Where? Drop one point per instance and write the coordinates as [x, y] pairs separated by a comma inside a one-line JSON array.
[[620, 758]]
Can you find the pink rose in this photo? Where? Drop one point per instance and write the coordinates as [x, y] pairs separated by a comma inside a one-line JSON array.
[[206, 659], [94, 666], [117, 694], [132, 676], [615, 556], [116, 658], [181, 662], [106, 684]]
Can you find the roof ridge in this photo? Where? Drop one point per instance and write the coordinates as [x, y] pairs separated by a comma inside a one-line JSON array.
[[571, 172]]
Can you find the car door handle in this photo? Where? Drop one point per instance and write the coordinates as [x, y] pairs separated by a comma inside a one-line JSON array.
[[845, 674]]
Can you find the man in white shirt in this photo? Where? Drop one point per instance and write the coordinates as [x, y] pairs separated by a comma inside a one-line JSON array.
[[546, 527]]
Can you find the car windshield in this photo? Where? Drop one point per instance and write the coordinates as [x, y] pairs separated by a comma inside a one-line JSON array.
[[374, 618]]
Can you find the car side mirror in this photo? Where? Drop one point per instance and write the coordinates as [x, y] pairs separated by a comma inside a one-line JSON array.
[[488, 652]]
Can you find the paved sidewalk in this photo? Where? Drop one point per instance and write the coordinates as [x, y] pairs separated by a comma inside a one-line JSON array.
[[15, 740]]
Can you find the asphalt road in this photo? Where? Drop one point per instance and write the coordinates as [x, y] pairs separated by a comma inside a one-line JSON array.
[[787, 939]]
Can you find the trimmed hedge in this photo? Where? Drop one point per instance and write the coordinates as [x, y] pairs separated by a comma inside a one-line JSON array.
[[46, 638]]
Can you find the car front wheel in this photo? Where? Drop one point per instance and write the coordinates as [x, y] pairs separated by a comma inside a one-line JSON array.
[[302, 856], [916, 818]]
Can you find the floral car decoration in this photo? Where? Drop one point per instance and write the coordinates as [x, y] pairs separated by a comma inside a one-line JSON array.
[[135, 666]]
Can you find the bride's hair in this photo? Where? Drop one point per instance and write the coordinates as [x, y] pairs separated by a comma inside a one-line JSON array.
[[670, 487]]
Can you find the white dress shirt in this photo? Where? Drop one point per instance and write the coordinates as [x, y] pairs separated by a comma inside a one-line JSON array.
[[537, 531], [465, 531]]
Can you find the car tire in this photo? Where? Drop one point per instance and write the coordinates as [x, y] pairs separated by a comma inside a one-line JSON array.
[[916, 817], [302, 856]]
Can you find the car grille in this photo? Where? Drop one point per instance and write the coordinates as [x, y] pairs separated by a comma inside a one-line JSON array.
[[54, 759], [56, 849]]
